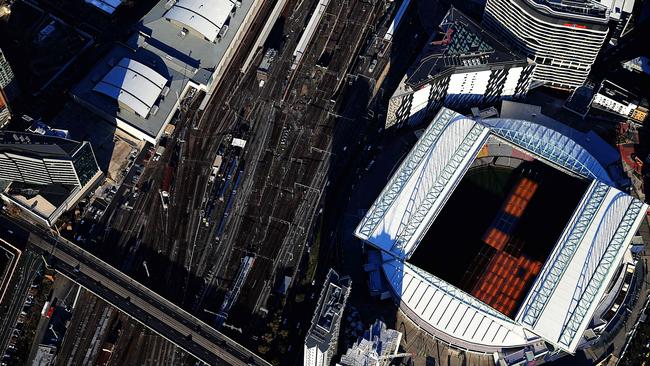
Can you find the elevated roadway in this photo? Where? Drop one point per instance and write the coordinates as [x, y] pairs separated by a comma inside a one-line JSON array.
[[142, 304]]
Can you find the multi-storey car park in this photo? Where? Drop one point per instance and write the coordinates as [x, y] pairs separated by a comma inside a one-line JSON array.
[[507, 235], [461, 66], [562, 37]]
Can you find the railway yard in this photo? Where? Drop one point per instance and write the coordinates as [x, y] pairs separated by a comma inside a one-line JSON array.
[[229, 207], [210, 247]]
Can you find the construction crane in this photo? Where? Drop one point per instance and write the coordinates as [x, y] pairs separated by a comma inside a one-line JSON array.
[[378, 360]]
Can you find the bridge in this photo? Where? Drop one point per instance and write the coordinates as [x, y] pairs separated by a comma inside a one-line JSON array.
[[142, 304]]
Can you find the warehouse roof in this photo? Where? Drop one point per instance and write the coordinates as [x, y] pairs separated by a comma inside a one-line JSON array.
[[133, 85], [204, 16]]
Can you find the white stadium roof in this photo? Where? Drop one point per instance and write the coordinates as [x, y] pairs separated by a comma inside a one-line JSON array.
[[133, 85], [441, 307], [401, 215], [566, 292], [204, 16], [583, 262]]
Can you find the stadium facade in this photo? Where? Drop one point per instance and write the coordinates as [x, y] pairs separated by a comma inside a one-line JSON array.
[[574, 289], [461, 66]]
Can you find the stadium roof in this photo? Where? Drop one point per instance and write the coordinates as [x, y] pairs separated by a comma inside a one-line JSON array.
[[108, 6], [133, 85], [441, 307], [574, 278], [204, 16], [583, 262]]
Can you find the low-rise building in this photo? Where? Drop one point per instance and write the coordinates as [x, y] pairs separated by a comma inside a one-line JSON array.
[[616, 99], [179, 45], [461, 66]]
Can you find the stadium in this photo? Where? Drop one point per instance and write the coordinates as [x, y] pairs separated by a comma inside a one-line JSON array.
[[507, 235]]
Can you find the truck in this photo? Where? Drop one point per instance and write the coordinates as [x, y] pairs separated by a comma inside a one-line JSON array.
[[216, 165]]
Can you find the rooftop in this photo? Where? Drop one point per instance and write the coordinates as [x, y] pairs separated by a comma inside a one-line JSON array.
[[41, 146], [328, 311], [192, 50], [134, 85], [107, 6], [576, 273], [590, 8], [204, 16], [376, 342], [147, 84], [459, 43]]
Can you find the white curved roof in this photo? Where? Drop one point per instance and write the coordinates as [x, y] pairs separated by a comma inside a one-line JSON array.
[[401, 215], [133, 85], [566, 293], [449, 312], [569, 287], [204, 16]]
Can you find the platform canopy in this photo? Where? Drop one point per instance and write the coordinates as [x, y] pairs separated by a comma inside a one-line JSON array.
[[133, 85], [204, 16]]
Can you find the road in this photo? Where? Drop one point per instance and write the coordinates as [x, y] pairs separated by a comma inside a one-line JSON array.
[[144, 305]]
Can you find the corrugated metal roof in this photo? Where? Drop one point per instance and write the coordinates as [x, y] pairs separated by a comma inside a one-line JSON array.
[[443, 308], [567, 291], [133, 85], [413, 197], [205, 17]]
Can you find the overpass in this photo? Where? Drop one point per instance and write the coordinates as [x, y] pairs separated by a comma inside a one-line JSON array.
[[142, 304]]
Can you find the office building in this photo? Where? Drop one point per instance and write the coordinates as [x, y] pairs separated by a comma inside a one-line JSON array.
[[322, 338], [7, 89], [377, 347], [45, 175], [562, 37], [461, 66]]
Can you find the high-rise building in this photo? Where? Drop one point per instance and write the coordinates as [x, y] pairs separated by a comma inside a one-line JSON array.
[[45, 175], [563, 37], [6, 89], [461, 66], [322, 338]]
